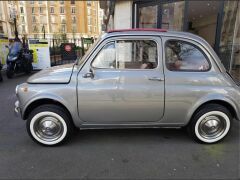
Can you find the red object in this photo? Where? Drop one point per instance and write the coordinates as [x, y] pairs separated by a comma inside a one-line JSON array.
[[138, 29], [68, 48]]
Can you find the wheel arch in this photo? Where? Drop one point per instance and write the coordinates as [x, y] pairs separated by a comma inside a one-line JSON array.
[[38, 102], [224, 102]]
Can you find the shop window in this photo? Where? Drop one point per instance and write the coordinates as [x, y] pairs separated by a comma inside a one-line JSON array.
[[148, 17], [183, 56]]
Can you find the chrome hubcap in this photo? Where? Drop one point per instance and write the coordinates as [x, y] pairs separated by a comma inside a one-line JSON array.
[[212, 126], [48, 128]]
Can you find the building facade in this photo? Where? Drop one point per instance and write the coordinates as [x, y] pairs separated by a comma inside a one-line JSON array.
[[71, 19], [8, 11], [218, 22]]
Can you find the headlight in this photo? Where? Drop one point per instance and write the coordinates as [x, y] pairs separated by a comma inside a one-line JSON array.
[[14, 58], [16, 89]]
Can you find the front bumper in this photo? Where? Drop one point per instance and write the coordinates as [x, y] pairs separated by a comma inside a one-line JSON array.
[[17, 110]]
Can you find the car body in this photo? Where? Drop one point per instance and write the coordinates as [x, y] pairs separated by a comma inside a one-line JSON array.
[[133, 78]]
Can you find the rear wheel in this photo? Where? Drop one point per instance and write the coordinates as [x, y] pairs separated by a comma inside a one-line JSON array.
[[210, 124], [49, 125]]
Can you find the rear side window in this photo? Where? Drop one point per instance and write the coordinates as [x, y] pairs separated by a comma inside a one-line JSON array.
[[184, 56]]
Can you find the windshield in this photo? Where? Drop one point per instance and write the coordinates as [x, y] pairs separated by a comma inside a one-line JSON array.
[[81, 60], [15, 48]]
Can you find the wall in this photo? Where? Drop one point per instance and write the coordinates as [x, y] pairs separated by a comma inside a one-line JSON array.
[[123, 15]]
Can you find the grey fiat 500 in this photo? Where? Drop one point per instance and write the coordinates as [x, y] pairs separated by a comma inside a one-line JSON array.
[[133, 78]]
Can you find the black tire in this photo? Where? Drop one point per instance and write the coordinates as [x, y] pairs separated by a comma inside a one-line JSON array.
[[196, 125], [1, 79], [29, 68], [10, 73], [67, 125]]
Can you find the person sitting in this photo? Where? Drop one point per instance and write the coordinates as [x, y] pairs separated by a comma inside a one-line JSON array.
[[147, 65]]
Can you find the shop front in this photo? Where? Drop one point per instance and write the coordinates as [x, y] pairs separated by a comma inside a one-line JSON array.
[[218, 22]]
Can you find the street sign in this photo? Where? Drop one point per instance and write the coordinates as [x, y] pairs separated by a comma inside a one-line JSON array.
[[87, 40], [68, 51]]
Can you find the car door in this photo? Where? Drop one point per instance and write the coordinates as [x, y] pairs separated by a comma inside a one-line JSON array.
[[111, 94], [98, 85], [141, 83]]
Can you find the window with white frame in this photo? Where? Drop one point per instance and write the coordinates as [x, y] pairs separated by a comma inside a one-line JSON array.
[[74, 19], [73, 10], [61, 9], [51, 9], [21, 10], [33, 10]]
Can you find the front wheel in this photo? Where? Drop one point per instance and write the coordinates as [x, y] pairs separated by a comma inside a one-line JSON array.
[[10, 71], [210, 124], [28, 68], [49, 125]]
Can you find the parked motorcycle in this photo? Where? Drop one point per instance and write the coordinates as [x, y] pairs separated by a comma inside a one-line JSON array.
[[19, 60]]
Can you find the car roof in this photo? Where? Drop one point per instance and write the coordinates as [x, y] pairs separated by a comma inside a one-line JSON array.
[[153, 32]]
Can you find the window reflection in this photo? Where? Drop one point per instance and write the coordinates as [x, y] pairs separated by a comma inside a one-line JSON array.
[[148, 17], [184, 56]]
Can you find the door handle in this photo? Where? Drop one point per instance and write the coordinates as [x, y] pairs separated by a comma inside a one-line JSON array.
[[155, 79]]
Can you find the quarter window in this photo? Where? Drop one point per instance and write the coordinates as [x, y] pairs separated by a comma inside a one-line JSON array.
[[184, 56], [106, 58]]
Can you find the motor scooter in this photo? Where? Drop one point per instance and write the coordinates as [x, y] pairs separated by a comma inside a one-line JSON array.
[[19, 59]]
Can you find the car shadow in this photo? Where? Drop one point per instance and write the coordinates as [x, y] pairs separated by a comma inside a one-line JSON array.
[[140, 136]]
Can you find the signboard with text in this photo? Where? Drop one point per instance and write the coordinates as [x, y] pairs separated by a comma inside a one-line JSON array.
[[41, 54]]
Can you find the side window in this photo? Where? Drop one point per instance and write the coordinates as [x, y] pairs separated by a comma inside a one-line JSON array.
[[184, 56], [106, 58], [136, 54]]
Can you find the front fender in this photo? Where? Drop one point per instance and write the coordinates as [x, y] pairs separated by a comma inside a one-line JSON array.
[[39, 97]]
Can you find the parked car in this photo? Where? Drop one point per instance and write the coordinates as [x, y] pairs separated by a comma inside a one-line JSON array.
[[133, 78]]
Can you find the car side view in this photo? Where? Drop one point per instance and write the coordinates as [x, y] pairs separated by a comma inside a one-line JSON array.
[[133, 78]]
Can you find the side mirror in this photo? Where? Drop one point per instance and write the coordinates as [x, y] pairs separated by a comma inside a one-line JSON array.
[[89, 74]]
